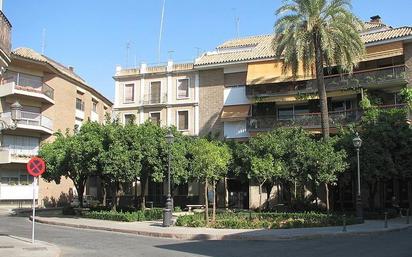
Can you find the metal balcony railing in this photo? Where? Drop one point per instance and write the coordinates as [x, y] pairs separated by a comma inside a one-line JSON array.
[[310, 120], [5, 34], [30, 85], [32, 119], [154, 99], [364, 78]]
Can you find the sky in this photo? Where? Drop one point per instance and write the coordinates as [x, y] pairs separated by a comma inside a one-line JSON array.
[[94, 36]]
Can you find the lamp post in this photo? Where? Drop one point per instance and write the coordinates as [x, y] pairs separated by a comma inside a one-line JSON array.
[[11, 122], [357, 143], [167, 212]]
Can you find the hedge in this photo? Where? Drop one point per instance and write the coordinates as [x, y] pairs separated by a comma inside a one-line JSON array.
[[265, 220], [146, 215]]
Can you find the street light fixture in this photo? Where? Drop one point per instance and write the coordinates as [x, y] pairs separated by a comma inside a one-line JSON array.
[[357, 143], [167, 212]]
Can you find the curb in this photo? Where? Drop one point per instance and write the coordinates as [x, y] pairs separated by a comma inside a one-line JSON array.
[[42, 243], [203, 236]]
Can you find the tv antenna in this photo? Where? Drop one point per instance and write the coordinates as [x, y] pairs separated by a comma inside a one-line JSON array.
[[43, 41], [161, 31]]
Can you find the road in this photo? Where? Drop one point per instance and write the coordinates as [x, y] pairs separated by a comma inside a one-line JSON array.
[[78, 242]]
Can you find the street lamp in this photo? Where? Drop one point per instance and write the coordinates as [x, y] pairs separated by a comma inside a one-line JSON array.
[[167, 212], [357, 143], [11, 122]]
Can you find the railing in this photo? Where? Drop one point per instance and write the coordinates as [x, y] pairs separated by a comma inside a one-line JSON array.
[[32, 119], [307, 120], [5, 34], [30, 85], [20, 150], [155, 99], [364, 78]]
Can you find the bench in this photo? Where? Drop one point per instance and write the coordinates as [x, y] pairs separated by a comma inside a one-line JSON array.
[[194, 206]]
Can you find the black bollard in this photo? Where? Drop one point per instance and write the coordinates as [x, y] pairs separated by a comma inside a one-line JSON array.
[[344, 223], [386, 220], [407, 216]]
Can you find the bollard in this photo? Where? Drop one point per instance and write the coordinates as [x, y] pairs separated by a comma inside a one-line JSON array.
[[344, 223], [407, 216], [386, 220], [250, 215]]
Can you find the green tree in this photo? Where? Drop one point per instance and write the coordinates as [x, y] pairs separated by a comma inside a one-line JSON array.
[[209, 163], [320, 32], [328, 163], [73, 156]]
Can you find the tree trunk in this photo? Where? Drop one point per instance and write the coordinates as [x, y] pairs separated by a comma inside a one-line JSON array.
[[327, 197], [214, 202], [80, 191], [268, 191], [226, 195], [104, 194], [143, 182], [206, 204], [372, 194], [260, 197], [321, 86], [136, 202], [114, 197]]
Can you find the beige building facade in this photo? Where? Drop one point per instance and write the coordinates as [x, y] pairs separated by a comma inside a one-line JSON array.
[[53, 98]]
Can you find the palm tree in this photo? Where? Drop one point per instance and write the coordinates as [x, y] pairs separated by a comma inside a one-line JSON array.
[[320, 32]]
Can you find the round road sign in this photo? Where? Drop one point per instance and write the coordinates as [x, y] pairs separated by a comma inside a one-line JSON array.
[[36, 166]]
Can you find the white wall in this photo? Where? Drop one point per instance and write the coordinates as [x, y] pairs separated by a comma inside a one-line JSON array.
[[8, 192], [235, 96], [235, 129]]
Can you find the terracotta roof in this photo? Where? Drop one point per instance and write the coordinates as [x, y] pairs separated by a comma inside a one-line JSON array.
[[368, 26], [30, 54], [235, 50]]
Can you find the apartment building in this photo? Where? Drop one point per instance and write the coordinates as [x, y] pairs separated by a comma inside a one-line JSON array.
[[253, 95], [166, 94], [53, 98]]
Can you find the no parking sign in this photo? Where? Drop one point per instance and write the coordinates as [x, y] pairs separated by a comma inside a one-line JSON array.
[[35, 167]]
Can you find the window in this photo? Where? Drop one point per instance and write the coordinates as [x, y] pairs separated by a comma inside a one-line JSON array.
[[183, 120], [155, 117], [285, 113], [94, 107], [182, 88], [22, 145], [155, 88], [129, 93], [78, 124], [129, 118], [79, 104]]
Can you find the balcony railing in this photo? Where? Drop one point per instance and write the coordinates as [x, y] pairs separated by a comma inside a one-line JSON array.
[[30, 85], [32, 119], [5, 34], [365, 79], [309, 120], [154, 99]]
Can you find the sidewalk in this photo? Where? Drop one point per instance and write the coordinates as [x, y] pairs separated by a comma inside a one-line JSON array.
[[22, 247], [155, 229]]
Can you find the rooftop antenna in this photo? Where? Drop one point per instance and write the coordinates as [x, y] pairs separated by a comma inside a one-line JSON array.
[[161, 31], [43, 41], [128, 45], [170, 52], [237, 22], [198, 49]]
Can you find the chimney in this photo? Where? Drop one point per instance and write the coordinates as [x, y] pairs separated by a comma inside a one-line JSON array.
[[376, 19], [71, 68]]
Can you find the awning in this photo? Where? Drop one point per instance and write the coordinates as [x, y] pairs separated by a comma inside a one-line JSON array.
[[383, 51], [235, 112], [271, 72]]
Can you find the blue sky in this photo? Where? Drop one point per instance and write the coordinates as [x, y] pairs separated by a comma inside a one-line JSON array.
[[92, 35]]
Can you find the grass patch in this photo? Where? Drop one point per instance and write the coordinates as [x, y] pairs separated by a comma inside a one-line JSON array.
[[265, 220], [146, 215]]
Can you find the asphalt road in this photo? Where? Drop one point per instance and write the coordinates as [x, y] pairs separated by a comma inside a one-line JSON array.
[[78, 242]]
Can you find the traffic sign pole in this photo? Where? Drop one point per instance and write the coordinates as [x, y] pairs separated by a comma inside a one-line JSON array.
[[34, 210]]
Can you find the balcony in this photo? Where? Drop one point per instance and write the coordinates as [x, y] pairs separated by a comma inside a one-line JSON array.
[[374, 78], [16, 154], [28, 88], [307, 120], [5, 39], [154, 99], [33, 121]]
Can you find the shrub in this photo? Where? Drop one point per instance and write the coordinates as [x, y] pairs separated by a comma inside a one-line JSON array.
[[249, 220], [150, 214]]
